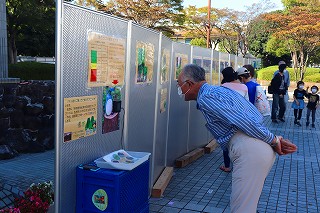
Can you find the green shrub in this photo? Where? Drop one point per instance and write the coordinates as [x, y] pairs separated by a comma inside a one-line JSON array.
[[267, 74], [32, 71], [312, 78]]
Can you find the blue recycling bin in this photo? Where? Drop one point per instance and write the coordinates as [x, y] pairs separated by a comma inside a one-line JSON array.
[[113, 191]]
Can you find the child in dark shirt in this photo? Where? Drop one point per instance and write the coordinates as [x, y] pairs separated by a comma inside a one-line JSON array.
[[298, 103], [312, 105]]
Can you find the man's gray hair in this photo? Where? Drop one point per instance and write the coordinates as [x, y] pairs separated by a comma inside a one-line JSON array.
[[194, 73]]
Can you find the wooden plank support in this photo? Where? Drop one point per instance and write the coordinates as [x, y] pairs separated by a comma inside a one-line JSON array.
[[162, 182], [210, 147], [189, 157]]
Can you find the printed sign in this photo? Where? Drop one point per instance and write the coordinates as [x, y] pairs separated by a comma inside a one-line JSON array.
[[80, 114], [106, 60]]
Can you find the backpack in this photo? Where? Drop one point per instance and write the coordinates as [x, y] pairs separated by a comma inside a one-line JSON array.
[[270, 88]]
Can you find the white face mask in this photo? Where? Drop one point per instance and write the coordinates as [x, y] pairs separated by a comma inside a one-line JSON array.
[[314, 90], [301, 86], [180, 92]]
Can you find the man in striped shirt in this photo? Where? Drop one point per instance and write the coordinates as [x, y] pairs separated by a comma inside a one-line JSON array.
[[236, 124]]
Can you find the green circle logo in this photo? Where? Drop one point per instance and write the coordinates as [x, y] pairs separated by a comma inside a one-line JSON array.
[[100, 199]]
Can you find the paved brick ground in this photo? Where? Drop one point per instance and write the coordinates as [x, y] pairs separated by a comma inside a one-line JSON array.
[[293, 184], [17, 174]]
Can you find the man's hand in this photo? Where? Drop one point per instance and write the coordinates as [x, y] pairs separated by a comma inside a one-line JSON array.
[[287, 147], [284, 146]]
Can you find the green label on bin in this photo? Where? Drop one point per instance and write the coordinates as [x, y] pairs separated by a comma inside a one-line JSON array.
[[100, 199]]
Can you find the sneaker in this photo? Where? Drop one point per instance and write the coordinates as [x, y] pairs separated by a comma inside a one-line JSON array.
[[307, 124], [298, 123], [275, 121], [281, 119], [313, 126], [295, 121]]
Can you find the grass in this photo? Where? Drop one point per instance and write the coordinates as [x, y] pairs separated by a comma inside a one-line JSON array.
[[32, 71], [311, 75]]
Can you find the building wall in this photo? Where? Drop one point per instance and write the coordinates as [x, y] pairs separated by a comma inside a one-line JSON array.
[[3, 41]]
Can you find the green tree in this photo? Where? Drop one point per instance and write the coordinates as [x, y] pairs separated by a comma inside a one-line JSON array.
[[30, 26], [299, 29], [96, 4], [201, 42], [161, 15]]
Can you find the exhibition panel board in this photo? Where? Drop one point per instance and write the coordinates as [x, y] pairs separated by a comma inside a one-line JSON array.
[[141, 95], [178, 135], [198, 134], [233, 61], [215, 68], [224, 60], [74, 147], [162, 106], [240, 62]]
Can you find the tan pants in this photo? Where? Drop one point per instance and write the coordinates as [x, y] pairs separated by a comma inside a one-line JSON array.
[[252, 160]]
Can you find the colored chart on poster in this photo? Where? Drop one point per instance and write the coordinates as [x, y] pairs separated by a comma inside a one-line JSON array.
[[106, 60], [80, 117], [163, 100], [180, 61], [144, 62], [165, 60]]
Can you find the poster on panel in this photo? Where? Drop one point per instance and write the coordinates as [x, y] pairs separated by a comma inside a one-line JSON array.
[[165, 61], [197, 61], [144, 62], [106, 60], [111, 102], [180, 61], [215, 72], [80, 114], [163, 100], [207, 68]]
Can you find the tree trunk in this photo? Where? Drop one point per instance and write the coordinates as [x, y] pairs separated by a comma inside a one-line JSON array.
[[301, 53], [12, 48], [304, 66], [295, 64]]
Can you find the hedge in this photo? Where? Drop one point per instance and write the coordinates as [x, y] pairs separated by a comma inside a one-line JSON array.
[[32, 71], [311, 75]]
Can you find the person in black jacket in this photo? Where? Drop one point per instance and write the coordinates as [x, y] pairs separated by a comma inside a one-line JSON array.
[[279, 90]]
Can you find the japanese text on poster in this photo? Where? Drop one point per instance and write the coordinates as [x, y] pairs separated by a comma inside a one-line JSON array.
[[80, 114], [106, 60]]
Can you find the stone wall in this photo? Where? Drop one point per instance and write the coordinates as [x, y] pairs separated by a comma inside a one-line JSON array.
[[26, 118]]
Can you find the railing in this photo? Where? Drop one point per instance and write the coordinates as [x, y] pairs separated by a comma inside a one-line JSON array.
[[36, 59]]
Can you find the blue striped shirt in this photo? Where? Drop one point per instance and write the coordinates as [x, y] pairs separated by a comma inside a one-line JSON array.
[[226, 112]]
